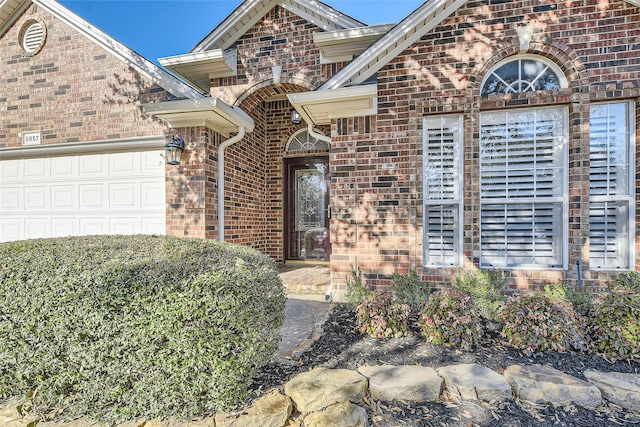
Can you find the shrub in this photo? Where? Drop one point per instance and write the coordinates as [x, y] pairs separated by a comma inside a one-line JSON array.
[[410, 290], [451, 318], [356, 291], [615, 324], [381, 316], [580, 300], [534, 322], [121, 327], [627, 280], [486, 287]]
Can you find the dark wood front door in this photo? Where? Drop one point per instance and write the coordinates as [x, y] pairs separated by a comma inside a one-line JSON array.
[[306, 209]]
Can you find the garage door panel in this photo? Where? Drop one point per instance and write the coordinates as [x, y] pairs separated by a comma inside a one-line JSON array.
[[11, 199], [11, 229], [36, 169], [63, 227], [124, 226], [10, 170], [64, 167], [121, 193], [152, 195], [93, 166], [63, 197], [152, 162], [92, 197], [35, 197], [36, 227], [124, 164]]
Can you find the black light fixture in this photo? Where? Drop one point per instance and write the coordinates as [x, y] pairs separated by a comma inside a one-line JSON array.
[[174, 149], [296, 118]]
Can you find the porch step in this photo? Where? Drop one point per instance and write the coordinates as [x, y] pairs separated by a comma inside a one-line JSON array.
[[305, 279]]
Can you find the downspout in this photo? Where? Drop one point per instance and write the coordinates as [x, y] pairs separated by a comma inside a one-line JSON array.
[[317, 135], [221, 149], [321, 137]]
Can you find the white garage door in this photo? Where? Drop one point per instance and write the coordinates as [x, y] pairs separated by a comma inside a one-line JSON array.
[[114, 193]]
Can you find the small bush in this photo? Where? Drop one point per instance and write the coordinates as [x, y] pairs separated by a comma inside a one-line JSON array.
[[356, 291], [125, 327], [381, 316], [410, 290], [451, 318], [486, 287], [627, 280], [615, 324], [534, 322], [580, 300]]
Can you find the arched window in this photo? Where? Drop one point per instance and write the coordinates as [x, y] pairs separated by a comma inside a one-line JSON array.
[[303, 141], [525, 74]]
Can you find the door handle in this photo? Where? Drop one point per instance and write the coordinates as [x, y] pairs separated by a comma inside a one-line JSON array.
[[329, 212]]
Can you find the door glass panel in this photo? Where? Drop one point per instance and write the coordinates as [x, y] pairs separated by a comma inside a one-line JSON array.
[[308, 237]]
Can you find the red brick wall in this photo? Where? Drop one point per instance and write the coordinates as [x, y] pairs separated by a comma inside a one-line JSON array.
[[72, 90], [377, 175]]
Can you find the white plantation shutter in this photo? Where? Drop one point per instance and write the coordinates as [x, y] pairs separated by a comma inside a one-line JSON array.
[[522, 186], [442, 191], [611, 195]]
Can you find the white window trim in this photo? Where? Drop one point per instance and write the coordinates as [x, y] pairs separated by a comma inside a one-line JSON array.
[[438, 202], [296, 134], [630, 197], [564, 198], [562, 79]]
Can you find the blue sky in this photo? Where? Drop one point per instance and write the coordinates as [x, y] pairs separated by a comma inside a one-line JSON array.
[[159, 28]]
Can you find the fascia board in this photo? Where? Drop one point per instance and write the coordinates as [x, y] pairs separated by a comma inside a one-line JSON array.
[[321, 15], [122, 52], [199, 67], [234, 24], [411, 29]]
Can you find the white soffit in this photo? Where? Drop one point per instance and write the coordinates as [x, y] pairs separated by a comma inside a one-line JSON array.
[[392, 44], [8, 9], [250, 12], [634, 2], [344, 45], [198, 68], [210, 112], [320, 107]]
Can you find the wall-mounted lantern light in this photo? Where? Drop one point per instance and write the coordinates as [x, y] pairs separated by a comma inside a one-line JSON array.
[[296, 118], [173, 150]]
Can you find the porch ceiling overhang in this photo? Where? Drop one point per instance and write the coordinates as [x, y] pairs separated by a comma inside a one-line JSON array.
[[9, 8], [344, 45], [210, 112], [320, 107], [199, 67]]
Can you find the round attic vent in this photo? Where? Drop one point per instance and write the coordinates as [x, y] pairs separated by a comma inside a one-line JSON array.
[[32, 37]]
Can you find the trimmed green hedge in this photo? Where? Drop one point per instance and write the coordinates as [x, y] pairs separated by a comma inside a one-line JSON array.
[[121, 327]]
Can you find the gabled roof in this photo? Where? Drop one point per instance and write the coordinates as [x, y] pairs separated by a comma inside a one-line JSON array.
[[250, 12], [10, 10]]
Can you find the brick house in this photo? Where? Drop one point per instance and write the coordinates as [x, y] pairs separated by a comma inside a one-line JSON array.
[[472, 134]]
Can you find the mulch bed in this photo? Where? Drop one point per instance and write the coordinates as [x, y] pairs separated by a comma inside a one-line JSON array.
[[341, 346]]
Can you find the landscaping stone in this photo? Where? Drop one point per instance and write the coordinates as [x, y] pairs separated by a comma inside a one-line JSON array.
[[408, 383], [343, 414], [9, 416], [322, 387], [271, 410], [619, 388], [476, 382], [544, 384]]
